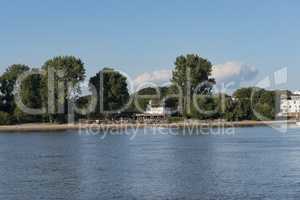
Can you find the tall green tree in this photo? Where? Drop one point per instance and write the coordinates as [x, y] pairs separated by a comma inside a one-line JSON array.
[[31, 91], [192, 75], [244, 101], [254, 104], [69, 72], [7, 84], [112, 88]]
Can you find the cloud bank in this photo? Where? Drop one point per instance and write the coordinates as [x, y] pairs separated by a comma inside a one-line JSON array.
[[157, 77], [234, 72]]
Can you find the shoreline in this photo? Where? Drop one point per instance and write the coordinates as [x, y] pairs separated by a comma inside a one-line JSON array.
[[73, 127]]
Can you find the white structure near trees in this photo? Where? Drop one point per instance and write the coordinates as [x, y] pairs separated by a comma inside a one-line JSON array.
[[155, 112], [157, 109], [290, 105]]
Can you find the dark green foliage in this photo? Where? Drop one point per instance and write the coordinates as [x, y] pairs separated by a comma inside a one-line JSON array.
[[5, 118], [230, 110], [195, 70], [114, 91], [159, 95], [206, 107], [72, 68], [11, 113], [7, 83], [162, 91], [192, 67], [254, 104], [247, 103], [143, 96], [31, 94], [73, 72], [82, 102], [175, 119]]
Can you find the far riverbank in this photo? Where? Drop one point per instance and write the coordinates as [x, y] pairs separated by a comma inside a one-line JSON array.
[[65, 127]]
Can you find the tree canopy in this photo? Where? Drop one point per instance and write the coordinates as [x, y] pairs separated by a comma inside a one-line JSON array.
[[7, 83], [192, 76], [68, 72], [111, 87]]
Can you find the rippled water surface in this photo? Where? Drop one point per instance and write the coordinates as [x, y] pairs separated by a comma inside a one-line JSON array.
[[255, 163]]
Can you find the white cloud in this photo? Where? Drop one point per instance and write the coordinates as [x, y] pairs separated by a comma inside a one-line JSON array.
[[158, 77], [233, 72], [228, 72]]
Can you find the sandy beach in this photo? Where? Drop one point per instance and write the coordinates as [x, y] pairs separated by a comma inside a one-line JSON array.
[[46, 127]]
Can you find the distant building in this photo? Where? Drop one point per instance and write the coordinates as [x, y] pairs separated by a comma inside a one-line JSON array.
[[155, 112], [297, 92], [290, 105], [157, 109]]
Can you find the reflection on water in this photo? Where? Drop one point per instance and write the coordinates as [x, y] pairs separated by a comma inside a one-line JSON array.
[[255, 163]]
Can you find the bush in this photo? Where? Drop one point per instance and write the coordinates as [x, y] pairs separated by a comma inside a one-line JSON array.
[[4, 118], [208, 107], [175, 119]]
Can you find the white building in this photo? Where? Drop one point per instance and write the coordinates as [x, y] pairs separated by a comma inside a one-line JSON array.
[[157, 109], [290, 106], [297, 92]]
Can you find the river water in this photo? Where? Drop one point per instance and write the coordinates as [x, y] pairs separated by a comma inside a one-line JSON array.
[[252, 163]]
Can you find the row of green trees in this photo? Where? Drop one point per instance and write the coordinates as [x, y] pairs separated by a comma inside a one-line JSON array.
[[34, 90], [192, 76], [191, 82], [54, 87], [245, 104]]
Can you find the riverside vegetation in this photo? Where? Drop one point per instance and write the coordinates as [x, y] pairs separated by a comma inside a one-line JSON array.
[[114, 92]]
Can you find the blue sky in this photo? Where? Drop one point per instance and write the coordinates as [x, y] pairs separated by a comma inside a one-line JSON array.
[[146, 36]]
